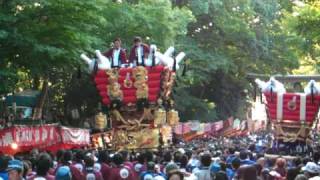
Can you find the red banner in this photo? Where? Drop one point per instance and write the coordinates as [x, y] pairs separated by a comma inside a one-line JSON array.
[[46, 137]]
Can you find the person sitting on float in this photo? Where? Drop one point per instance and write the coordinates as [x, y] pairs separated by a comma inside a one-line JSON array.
[[139, 52], [117, 55]]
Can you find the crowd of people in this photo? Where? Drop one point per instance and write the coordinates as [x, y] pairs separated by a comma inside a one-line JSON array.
[[197, 160]]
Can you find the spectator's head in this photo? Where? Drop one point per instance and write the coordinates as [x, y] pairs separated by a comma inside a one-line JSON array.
[[175, 175], [188, 153], [261, 162], [104, 157], [63, 173], [231, 150], [223, 166], [205, 160], [183, 161], [118, 159], [125, 155], [316, 156], [15, 169], [140, 158], [311, 169], [43, 165], [148, 156], [89, 161], [235, 163], [79, 156], [177, 156], [151, 166], [292, 173], [243, 155], [167, 157], [301, 177], [4, 160], [281, 163], [247, 172], [297, 161], [215, 167], [60, 153], [67, 158], [171, 167]]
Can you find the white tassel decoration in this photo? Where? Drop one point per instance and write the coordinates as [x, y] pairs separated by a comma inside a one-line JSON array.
[[88, 61], [103, 62], [314, 86]]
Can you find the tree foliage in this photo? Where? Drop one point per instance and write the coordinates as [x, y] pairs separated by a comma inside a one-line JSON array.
[[44, 39], [229, 39], [223, 39]]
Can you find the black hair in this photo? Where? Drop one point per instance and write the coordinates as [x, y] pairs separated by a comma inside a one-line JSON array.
[[231, 150], [137, 39], [177, 156], [140, 158], [79, 156], [117, 39], [60, 153], [150, 166], [243, 155], [297, 161], [316, 156], [89, 162], [104, 156], [67, 156], [184, 161], [124, 154], [235, 163], [223, 166], [148, 156], [117, 159], [180, 174], [167, 157], [205, 160], [4, 161], [43, 164]]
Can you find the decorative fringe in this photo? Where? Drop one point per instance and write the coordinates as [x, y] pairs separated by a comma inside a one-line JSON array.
[[79, 72], [174, 68], [184, 70], [153, 58], [95, 67]]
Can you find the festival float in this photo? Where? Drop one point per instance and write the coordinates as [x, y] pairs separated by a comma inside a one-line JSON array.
[[140, 108], [292, 115]]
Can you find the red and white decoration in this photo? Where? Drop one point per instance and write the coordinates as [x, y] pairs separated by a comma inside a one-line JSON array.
[[46, 137], [129, 93], [294, 107]]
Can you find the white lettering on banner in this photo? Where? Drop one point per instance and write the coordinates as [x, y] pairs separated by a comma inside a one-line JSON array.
[[6, 139], [37, 135], [51, 133], [44, 135], [75, 136], [29, 132]]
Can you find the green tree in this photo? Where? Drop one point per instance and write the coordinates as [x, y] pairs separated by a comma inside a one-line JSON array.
[[229, 39], [43, 39]]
